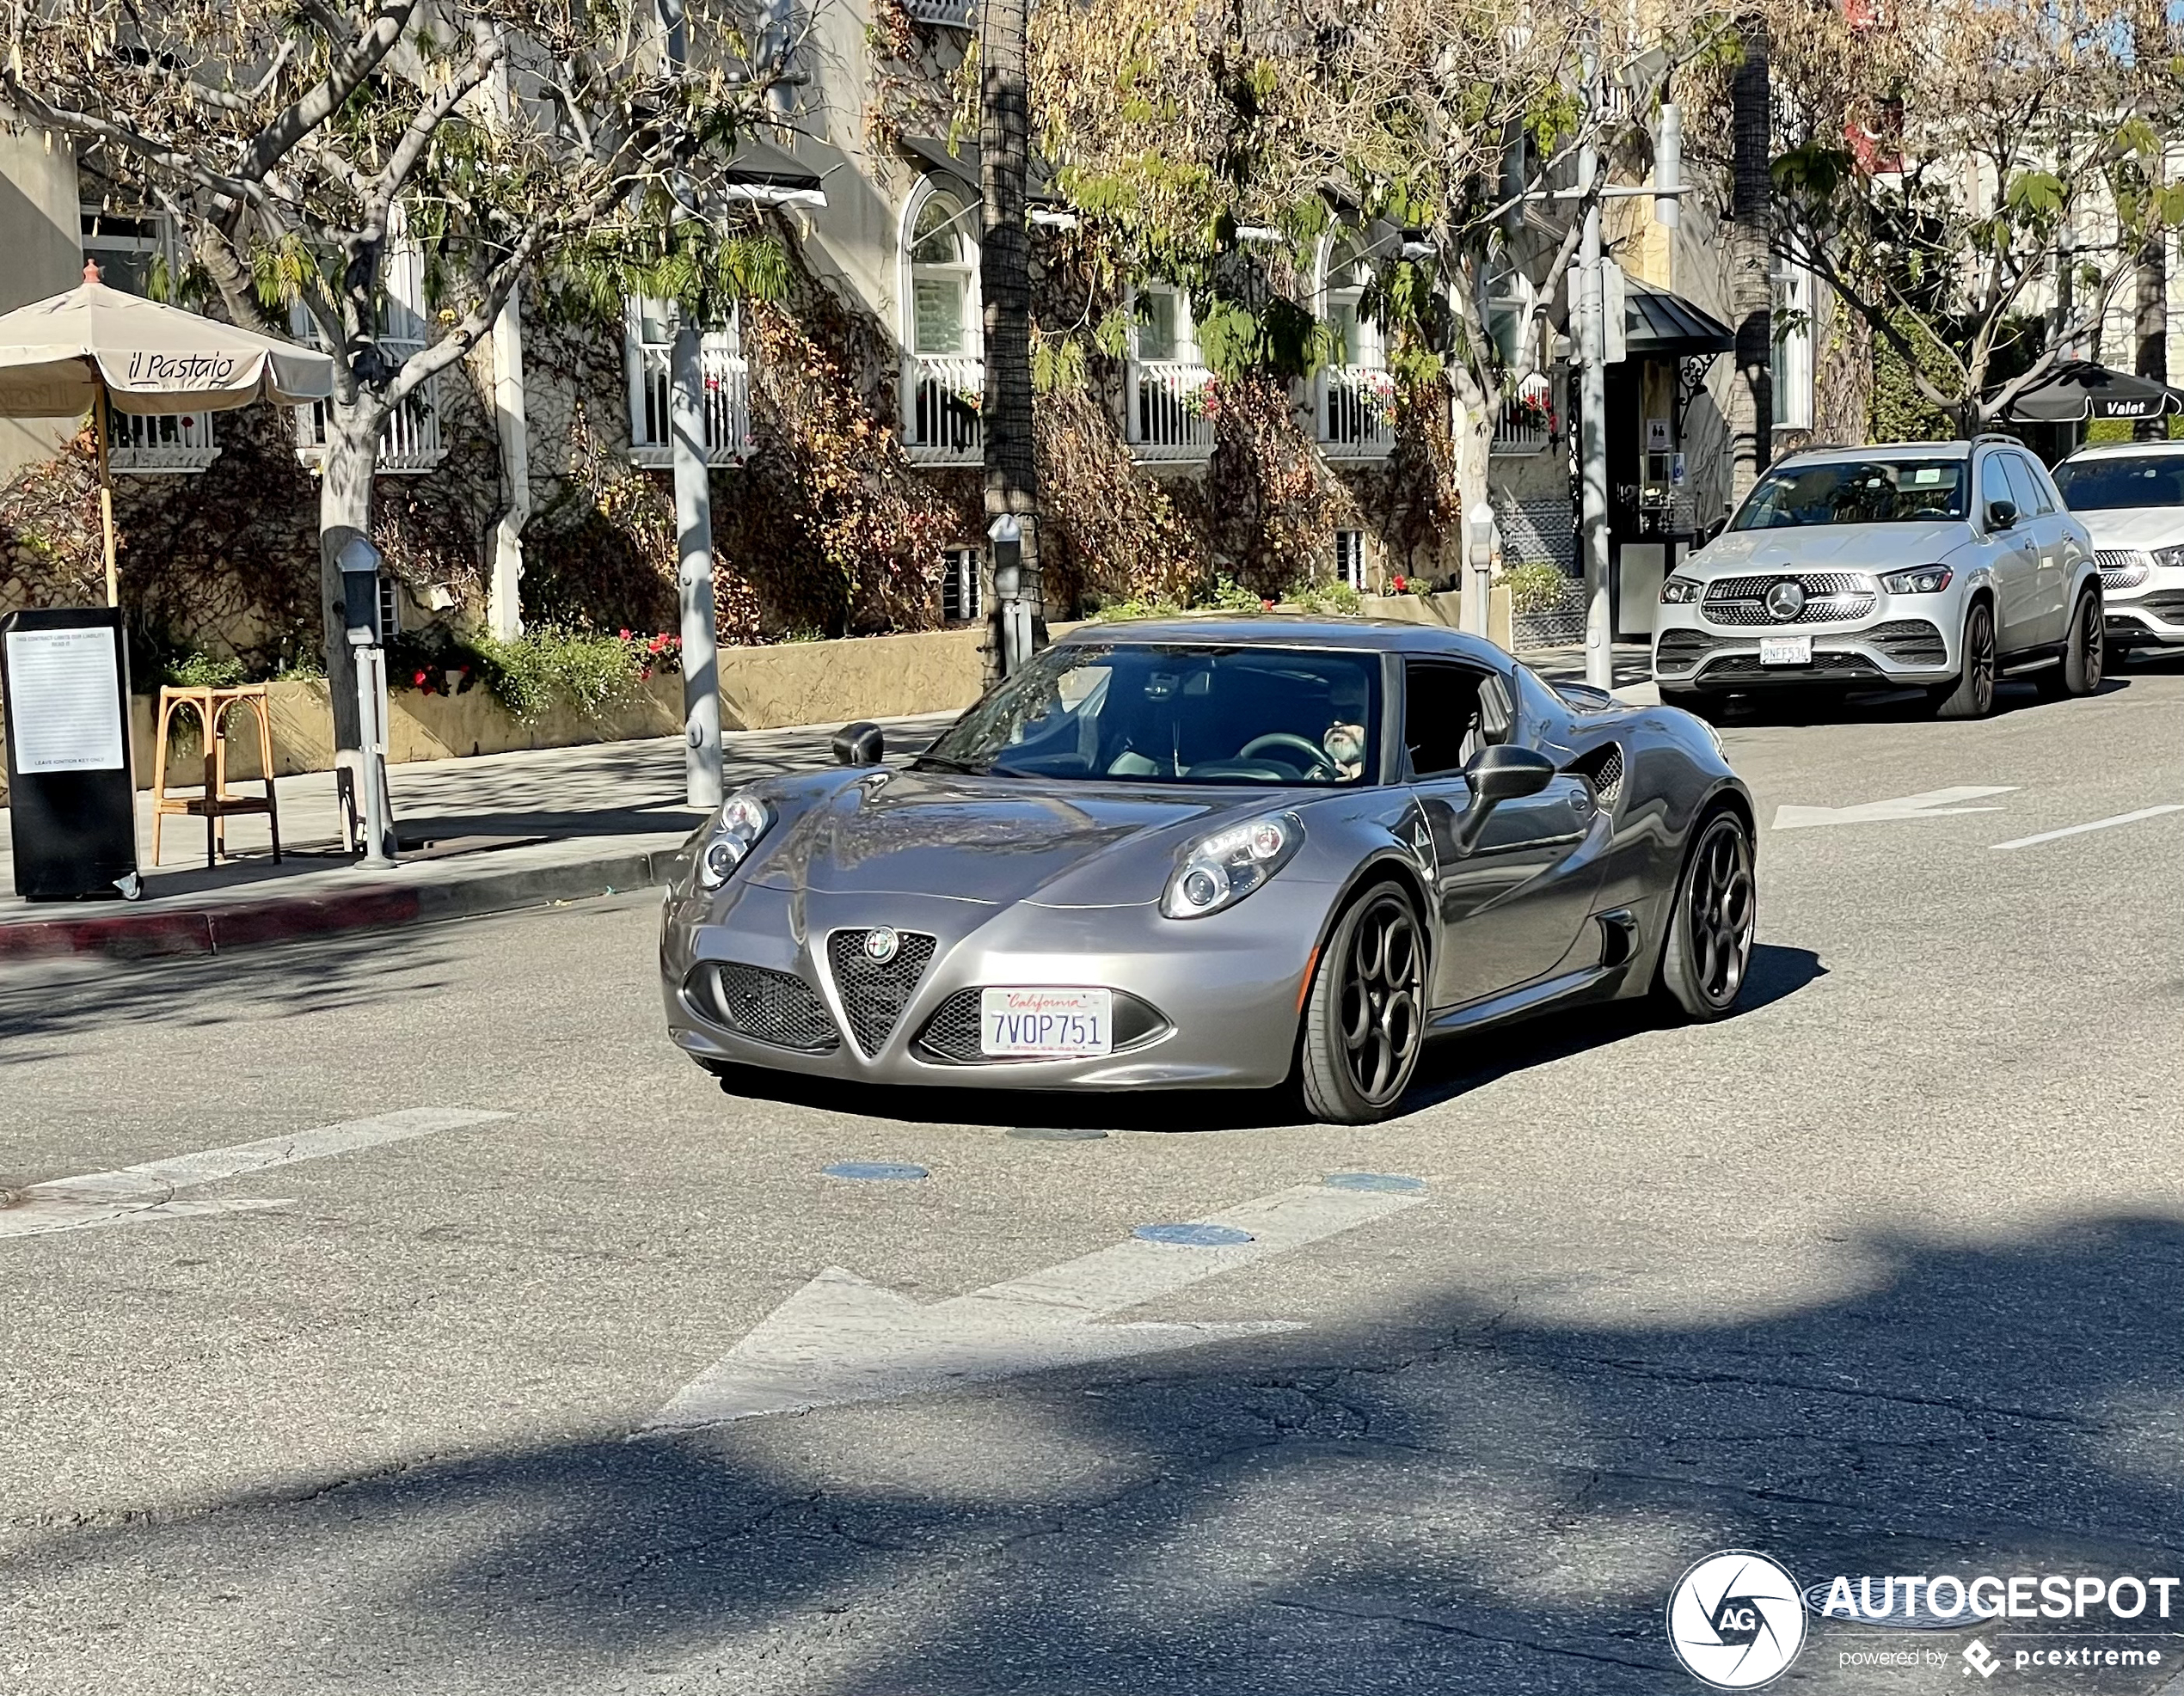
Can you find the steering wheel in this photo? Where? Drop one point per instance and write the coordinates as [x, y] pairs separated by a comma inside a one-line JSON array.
[[1283, 738]]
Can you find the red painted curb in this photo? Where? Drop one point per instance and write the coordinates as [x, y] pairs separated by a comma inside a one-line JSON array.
[[125, 936]]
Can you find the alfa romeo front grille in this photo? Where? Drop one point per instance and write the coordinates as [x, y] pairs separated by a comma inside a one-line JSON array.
[[874, 992], [2122, 567], [768, 1007]]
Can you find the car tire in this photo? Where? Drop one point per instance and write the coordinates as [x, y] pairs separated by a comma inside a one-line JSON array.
[[1972, 695], [2085, 654], [1707, 955], [1364, 1016]]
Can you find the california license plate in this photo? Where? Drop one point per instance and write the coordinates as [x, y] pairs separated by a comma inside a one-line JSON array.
[[1785, 650], [1055, 1023]]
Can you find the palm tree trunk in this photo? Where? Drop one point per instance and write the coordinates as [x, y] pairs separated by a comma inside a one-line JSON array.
[[1751, 290], [1004, 281], [2149, 326]]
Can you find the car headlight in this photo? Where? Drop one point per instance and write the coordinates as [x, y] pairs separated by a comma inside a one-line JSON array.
[[2168, 559], [1220, 870], [1678, 591], [1926, 580], [744, 818]]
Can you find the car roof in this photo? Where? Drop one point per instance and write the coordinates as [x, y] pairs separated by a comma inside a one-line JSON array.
[[1288, 630], [1883, 450], [2126, 450]]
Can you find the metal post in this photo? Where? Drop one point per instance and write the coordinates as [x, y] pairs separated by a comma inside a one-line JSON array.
[[1007, 535], [702, 772], [1593, 405], [378, 838], [102, 412]]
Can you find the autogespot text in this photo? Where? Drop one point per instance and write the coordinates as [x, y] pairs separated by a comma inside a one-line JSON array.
[[2019, 1596]]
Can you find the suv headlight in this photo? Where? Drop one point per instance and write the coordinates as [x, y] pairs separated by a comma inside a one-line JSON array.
[[1679, 591], [743, 819], [1925, 580], [1220, 870], [2168, 559]]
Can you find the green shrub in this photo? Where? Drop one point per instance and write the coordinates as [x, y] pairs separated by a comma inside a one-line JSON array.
[[1337, 598], [528, 675], [196, 671], [1535, 586]]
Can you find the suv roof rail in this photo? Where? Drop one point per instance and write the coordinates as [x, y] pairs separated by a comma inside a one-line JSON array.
[[2000, 435]]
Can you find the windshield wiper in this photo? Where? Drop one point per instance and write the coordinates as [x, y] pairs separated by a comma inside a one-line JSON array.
[[944, 764]]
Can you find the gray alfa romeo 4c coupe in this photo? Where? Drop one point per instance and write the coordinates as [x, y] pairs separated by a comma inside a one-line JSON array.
[[1219, 854]]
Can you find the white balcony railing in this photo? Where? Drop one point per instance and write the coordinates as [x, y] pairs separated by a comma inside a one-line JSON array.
[[161, 442], [409, 441], [727, 402], [1357, 412], [1526, 425], [941, 396], [948, 14], [1168, 416]]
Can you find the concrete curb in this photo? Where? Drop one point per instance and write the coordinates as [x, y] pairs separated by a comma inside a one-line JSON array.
[[217, 928]]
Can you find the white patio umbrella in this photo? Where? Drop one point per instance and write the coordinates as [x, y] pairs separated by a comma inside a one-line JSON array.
[[97, 347]]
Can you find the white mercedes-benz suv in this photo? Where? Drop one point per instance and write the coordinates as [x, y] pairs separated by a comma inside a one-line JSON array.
[[1939, 566], [2131, 496]]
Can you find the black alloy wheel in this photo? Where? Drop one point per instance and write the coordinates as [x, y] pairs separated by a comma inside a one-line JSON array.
[[1972, 695], [1365, 1023], [1708, 951], [2085, 655]]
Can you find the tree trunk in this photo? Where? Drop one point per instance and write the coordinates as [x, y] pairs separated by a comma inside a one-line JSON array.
[[344, 515], [2150, 326], [1751, 290], [1004, 280]]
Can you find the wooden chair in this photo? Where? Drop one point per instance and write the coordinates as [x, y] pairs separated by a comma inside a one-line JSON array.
[[217, 803]]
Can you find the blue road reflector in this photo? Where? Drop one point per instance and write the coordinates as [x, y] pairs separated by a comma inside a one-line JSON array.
[[876, 1171], [1373, 1180], [1193, 1236]]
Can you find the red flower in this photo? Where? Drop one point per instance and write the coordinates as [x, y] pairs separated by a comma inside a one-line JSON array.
[[656, 644], [419, 680], [625, 635], [644, 674], [1401, 586], [1266, 605]]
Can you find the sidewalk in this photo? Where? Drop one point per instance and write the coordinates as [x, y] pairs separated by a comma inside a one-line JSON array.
[[481, 834]]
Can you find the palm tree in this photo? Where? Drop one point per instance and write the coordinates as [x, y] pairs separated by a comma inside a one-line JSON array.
[[1004, 280]]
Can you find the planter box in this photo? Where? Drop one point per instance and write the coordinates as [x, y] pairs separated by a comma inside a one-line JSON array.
[[1446, 609], [761, 688]]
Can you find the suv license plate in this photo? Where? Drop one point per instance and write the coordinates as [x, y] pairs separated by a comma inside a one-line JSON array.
[[1785, 650], [1057, 1024]]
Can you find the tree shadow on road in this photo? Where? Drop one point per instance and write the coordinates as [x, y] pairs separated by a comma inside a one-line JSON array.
[[1489, 1490]]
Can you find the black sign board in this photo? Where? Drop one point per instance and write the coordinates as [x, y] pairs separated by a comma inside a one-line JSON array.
[[72, 791]]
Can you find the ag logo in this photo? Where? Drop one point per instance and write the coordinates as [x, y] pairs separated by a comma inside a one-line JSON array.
[[1736, 1621]]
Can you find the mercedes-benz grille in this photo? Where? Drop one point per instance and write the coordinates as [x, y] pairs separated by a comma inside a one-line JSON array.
[[1830, 597]]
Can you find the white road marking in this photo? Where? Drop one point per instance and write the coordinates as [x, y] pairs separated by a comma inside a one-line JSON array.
[[2097, 825], [841, 1339], [1933, 804], [146, 1191]]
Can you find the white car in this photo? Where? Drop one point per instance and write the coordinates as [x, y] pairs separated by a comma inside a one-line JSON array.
[[2131, 496], [1938, 565]]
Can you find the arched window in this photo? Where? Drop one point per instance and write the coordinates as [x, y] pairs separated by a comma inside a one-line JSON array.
[[1356, 401], [943, 279]]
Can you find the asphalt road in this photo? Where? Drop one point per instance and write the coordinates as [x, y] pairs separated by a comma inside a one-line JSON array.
[[1881, 1275]]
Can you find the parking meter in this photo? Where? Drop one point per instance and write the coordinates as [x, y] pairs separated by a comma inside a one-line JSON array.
[[1007, 535], [360, 562]]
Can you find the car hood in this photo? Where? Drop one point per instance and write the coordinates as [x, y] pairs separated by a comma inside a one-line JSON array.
[[997, 839], [1828, 548], [2144, 527]]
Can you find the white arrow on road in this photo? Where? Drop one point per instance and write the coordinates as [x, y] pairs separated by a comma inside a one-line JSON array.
[[139, 1193], [1933, 804], [841, 1339]]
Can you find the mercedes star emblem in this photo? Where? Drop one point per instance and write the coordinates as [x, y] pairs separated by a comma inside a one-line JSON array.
[[880, 945], [1786, 600]]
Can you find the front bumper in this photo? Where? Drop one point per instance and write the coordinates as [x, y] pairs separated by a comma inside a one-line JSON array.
[[1903, 641], [2148, 612], [1220, 994]]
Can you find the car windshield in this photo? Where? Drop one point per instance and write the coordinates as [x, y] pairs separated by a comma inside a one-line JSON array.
[[1855, 491], [1161, 713], [2121, 479]]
